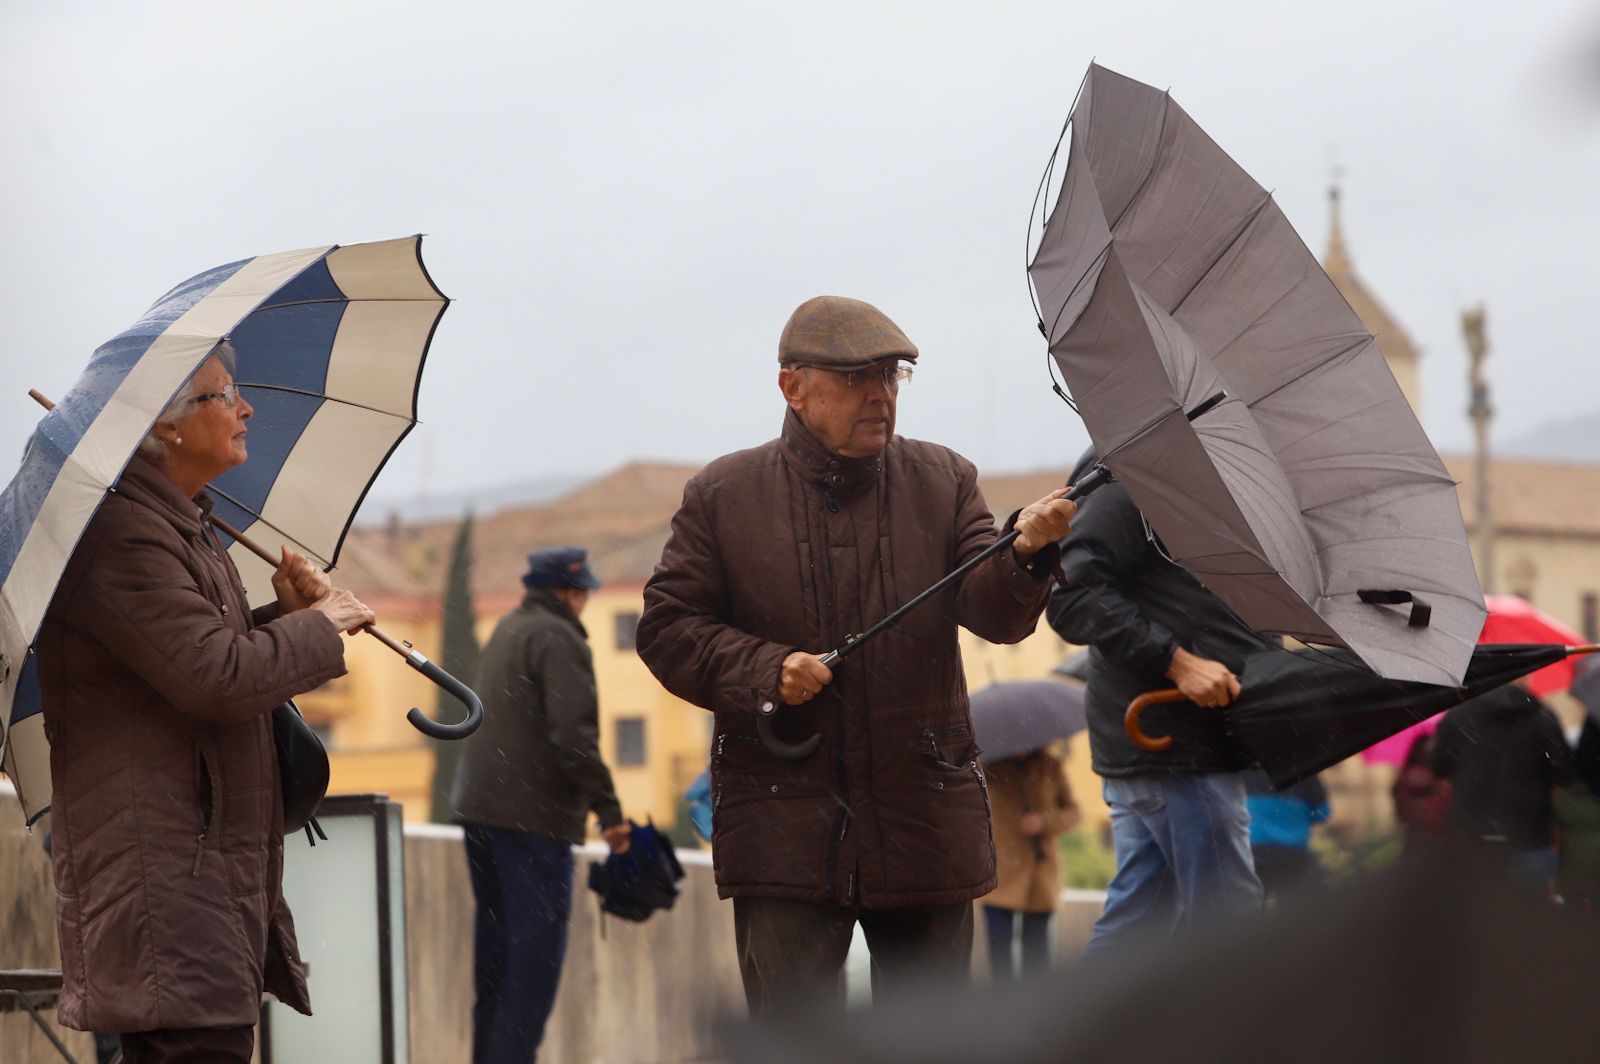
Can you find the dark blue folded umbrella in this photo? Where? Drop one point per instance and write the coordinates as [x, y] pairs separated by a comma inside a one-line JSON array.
[[635, 884]]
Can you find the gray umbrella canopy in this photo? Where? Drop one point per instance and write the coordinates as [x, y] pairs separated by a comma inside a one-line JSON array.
[[1021, 716], [1310, 501]]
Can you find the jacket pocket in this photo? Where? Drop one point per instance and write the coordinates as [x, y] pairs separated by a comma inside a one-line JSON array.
[[208, 795], [772, 820]]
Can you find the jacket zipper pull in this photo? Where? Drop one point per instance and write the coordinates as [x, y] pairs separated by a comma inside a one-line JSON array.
[[850, 888], [844, 826], [199, 851]]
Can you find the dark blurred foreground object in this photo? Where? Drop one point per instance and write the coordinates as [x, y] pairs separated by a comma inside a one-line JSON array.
[[1018, 717], [1302, 711], [644, 878], [1431, 961]]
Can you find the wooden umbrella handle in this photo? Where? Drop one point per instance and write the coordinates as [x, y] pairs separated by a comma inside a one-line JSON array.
[[1136, 708]]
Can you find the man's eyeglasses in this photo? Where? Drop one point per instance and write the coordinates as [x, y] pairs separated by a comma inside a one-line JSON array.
[[891, 376], [229, 396]]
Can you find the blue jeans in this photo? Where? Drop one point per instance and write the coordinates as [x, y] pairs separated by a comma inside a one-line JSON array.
[[1183, 856], [523, 886], [1000, 925]]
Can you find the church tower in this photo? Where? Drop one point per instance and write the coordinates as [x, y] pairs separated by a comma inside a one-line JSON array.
[[1393, 342]]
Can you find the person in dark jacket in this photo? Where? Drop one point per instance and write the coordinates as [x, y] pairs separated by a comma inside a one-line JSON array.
[[1504, 755], [158, 683], [779, 553], [525, 784], [1178, 816]]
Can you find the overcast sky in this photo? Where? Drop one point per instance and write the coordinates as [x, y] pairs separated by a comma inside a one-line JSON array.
[[627, 200]]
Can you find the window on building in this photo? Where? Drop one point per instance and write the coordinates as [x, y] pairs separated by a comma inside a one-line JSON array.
[[627, 630], [630, 741], [1591, 616]]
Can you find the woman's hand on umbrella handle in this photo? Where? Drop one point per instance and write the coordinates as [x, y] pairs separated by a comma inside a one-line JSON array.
[[298, 583], [348, 613], [1204, 682]]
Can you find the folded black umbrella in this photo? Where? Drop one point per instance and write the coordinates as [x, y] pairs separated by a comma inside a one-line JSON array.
[[636, 883], [1301, 711]]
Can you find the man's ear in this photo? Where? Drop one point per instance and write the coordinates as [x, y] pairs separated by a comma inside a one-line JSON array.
[[791, 382]]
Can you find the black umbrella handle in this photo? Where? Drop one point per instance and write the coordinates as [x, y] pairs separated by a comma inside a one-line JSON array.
[[1097, 477], [437, 729]]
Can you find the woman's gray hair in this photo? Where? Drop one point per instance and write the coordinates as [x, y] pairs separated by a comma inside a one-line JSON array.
[[153, 446]]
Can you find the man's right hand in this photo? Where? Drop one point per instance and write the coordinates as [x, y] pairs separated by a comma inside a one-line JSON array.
[[1203, 681], [801, 677], [618, 836], [347, 612]]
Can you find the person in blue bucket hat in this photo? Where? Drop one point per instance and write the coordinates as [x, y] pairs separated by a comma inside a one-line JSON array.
[[527, 780]]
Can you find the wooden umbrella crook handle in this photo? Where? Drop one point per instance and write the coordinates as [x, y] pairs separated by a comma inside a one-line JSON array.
[[1136, 708]]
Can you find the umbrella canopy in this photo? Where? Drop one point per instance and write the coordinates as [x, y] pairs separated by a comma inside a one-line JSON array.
[[1310, 501], [330, 343], [1510, 620], [1301, 711], [1022, 716]]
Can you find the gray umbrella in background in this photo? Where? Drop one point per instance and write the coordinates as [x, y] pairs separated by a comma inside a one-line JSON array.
[[1021, 716], [1310, 501]]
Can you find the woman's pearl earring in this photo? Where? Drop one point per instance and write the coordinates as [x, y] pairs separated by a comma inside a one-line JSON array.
[[178, 442]]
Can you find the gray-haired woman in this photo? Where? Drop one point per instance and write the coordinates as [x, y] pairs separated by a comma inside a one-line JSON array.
[[158, 683]]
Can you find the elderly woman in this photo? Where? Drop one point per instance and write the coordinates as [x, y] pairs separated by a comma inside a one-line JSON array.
[[158, 685]]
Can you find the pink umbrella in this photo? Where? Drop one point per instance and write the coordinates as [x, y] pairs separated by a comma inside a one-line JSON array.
[[1511, 620]]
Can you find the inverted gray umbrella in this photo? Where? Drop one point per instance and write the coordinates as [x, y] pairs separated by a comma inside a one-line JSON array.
[[1310, 500], [1020, 716]]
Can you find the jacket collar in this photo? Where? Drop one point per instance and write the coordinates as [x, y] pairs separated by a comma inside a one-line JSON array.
[[542, 598], [845, 478], [145, 484]]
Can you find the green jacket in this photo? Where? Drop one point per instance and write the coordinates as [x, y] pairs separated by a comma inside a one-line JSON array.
[[534, 765]]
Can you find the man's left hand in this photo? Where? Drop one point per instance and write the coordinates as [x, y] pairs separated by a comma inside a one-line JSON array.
[[298, 583], [1043, 523]]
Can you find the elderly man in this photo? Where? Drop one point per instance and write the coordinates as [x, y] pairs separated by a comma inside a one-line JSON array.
[[779, 553], [527, 782]]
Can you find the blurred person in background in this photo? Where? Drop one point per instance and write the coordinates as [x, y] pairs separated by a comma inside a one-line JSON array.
[[1577, 812], [1280, 832], [1421, 800], [526, 782], [1504, 755], [1030, 802]]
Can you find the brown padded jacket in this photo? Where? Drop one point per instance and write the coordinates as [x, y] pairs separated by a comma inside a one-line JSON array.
[[787, 547], [166, 816]]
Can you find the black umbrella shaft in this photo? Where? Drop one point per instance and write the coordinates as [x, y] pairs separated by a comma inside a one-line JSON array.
[[1096, 477]]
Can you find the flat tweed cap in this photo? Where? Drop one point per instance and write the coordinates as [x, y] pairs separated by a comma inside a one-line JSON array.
[[842, 333]]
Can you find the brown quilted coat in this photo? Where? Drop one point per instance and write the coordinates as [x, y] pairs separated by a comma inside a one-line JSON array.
[[787, 547], [167, 815]]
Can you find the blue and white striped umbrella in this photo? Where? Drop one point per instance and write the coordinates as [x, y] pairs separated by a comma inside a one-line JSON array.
[[330, 343]]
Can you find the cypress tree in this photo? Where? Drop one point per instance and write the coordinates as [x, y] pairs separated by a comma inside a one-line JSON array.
[[459, 657]]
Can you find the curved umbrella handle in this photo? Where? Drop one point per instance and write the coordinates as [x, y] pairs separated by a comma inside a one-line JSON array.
[[780, 747], [1136, 708], [436, 729]]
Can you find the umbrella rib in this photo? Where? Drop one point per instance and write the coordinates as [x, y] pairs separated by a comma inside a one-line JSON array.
[[1068, 299], [1244, 229], [1343, 352], [219, 493], [326, 398]]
